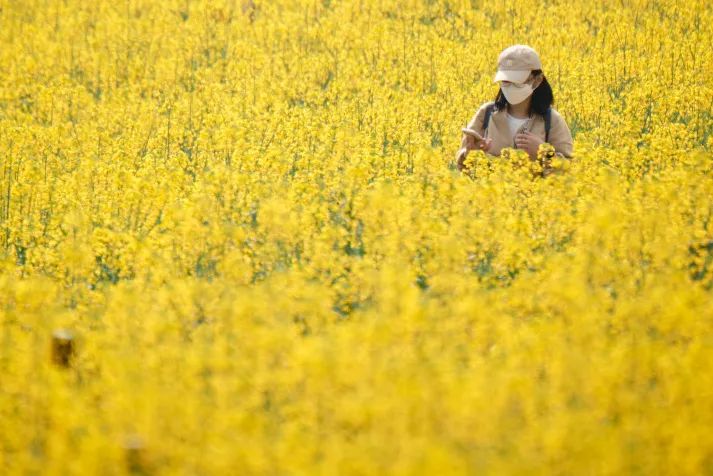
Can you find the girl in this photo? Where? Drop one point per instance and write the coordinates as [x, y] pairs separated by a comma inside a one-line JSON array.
[[517, 117]]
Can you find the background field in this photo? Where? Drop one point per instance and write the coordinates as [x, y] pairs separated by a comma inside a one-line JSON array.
[[249, 216]]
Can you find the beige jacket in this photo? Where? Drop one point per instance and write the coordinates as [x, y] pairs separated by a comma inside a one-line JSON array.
[[498, 129]]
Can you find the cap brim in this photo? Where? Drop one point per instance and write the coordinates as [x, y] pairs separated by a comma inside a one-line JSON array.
[[514, 76]]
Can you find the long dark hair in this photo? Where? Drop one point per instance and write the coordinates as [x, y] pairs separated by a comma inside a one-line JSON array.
[[542, 97]]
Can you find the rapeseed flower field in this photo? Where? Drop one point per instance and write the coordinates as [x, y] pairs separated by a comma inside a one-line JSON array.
[[233, 240]]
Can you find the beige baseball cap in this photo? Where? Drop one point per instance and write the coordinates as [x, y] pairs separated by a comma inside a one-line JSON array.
[[515, 63]]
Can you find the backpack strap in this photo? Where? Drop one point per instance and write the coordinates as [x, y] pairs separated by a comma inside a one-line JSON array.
[[486, 119], [548, 123]]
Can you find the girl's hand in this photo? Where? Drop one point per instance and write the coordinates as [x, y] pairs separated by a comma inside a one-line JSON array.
[[471, 143], [485, 144], [528, 142]]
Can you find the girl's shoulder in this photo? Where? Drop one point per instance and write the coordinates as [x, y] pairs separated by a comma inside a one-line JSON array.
[[555, 115], [557, 120], [484, 106]]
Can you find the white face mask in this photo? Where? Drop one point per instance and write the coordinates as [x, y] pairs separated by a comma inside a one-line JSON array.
[[516, 93]]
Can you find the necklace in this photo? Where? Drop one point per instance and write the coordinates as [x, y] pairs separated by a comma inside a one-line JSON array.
[[521, 124]]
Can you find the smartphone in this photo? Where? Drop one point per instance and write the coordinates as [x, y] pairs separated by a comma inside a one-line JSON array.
[[471, 132]]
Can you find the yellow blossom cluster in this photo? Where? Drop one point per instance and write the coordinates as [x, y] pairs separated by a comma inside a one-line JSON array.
[[233, 240]]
